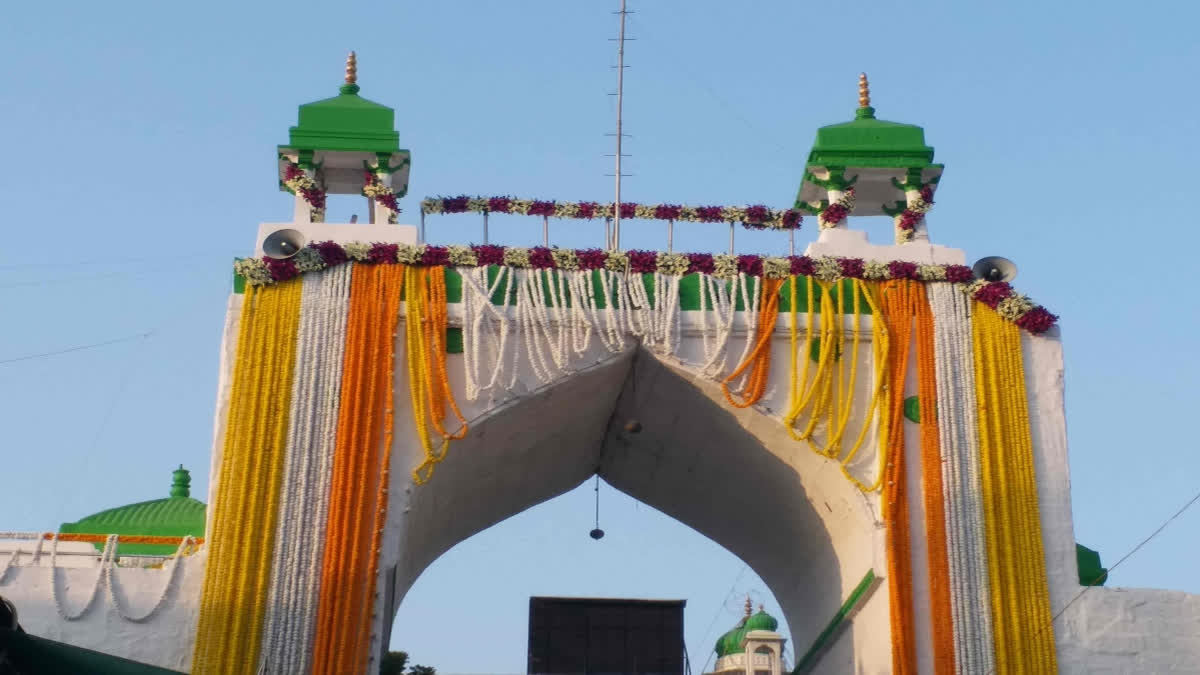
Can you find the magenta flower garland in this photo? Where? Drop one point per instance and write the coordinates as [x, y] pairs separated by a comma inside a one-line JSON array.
[[999, 295], [757, 216]]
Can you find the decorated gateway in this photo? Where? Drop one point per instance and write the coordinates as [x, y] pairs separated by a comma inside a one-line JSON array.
[[897, 415]]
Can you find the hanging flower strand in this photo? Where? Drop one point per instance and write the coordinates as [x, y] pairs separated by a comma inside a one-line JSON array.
[[374, 188], [298, 182], [756, 216]]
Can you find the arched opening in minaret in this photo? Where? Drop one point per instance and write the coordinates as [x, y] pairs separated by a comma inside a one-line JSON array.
[[730, 475]]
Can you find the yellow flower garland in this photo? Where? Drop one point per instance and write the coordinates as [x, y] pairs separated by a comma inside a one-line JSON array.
[[829, 395], [1023, 634], [229, 631]]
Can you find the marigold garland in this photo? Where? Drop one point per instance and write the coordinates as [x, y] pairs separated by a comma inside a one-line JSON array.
[[346, 582], [429, 387], [1023, 631], [229, 630], [898, 307], [320, 255], [759, 360], [931, 481], [830, 392]]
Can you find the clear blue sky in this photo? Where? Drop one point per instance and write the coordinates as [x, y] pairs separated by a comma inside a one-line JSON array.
[[139, 158]]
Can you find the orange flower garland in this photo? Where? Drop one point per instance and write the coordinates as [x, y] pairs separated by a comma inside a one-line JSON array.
[[759, 359], [931, 477], [897, 304], [347, 581]]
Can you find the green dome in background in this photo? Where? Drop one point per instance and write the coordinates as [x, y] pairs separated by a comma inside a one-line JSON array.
[[731, 641], [761, 621], [176, 516]]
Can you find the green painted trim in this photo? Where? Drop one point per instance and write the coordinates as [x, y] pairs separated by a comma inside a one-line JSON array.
[[912, 409], [454, 340], [1091, 573], [845, 613]]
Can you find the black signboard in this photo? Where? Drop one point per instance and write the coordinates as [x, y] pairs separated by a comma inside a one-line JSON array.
[[601, 636]]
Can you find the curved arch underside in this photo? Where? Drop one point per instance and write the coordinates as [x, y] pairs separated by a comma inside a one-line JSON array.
[[733, 475]]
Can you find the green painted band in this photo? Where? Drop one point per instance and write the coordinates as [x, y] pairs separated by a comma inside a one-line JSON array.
[[844, 614]]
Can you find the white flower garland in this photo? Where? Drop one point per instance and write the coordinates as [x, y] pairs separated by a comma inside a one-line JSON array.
[[176, 561], [106, 555], [293, 596], [724, 308], [959, 437]]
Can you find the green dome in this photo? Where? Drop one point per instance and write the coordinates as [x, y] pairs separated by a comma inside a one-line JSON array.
[[731, 642], [868, 142], [346, 122], [761, 621], [176, 516]]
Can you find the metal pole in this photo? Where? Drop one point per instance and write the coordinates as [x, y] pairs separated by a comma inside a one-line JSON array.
[[791, 242], [608, 234], [546, 231], [670, 236], [485, 228], [620, 93], [421, 234], [730, 238]]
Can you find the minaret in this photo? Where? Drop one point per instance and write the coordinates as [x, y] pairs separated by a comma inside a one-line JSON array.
[[345, 145], [870, 167]]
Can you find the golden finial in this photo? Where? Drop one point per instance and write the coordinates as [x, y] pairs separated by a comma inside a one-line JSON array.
[[864, 91], [351, 69], [761, 607], [749, 606]]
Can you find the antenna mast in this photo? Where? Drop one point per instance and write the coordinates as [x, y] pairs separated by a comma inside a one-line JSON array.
[[616, 235]]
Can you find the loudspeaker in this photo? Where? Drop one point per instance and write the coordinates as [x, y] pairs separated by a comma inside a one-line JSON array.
[[995, 268], [282, 244]]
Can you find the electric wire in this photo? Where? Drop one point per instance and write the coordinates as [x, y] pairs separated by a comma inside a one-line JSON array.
[[717, 615], [78, 348]]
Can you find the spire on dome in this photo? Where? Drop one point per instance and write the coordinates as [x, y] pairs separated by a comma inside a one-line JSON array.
[[351, 85], [749, 606], [865, 111]]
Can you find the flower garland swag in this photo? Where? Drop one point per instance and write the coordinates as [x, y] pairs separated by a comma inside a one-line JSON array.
[[998, 295], [242, 540], [756, 216], [833, 214], [374, 188], [360, 472], [312, 435], [908, 215], [298, 182], [429, 386], [970, 596], [1023, 632], [827, 398], [106, 577]]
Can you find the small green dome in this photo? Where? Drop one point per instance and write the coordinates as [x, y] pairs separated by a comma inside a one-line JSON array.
[[176, 516], [761, 621]]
